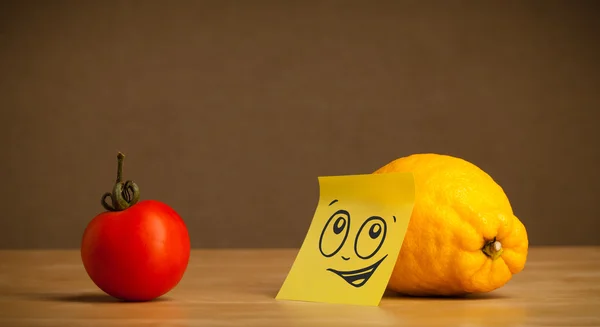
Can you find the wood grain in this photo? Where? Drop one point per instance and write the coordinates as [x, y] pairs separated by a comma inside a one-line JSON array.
[[559, 287]]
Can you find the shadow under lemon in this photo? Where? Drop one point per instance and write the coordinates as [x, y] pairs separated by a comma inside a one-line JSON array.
[[390, 295], [459, 313], [478, 309]]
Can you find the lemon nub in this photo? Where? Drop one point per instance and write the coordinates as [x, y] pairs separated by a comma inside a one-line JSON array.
[[493, 249], [497, 246]]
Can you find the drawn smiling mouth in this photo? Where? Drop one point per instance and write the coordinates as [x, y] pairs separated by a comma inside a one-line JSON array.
[[359, 277]]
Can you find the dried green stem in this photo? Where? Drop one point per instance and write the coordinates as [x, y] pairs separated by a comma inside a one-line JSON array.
[[124, 194], [120, 158]]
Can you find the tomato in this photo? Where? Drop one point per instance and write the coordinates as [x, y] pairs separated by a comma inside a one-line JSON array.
[[135, 251]]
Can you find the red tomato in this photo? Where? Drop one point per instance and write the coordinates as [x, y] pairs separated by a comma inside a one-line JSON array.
[[136, 253]]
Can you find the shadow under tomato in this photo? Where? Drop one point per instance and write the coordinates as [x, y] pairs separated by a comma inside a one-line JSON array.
[[85, 298]]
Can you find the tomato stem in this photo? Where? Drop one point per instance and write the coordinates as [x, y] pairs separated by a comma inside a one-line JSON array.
[[124, 194], [120, 158], [493, 249]]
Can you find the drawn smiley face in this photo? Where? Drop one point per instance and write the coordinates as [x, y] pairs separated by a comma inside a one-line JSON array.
[[367, 242], [351, 245]]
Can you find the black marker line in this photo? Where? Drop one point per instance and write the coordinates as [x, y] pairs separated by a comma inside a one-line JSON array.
[[382, 225], [332, 202], [346, 228], [394, 218]]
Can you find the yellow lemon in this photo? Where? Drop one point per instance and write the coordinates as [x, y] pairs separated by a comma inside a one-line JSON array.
[[463, 236]]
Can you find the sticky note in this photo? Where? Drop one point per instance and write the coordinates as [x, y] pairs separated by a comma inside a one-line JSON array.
[[353, 241]]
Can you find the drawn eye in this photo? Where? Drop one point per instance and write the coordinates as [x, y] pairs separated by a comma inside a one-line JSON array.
[[334, 233], [370, 237]]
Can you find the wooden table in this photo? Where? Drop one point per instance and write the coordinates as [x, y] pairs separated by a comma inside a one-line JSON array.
[[559, 287]]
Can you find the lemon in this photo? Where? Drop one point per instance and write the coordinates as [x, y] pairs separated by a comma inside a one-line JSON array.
[[463, 236]]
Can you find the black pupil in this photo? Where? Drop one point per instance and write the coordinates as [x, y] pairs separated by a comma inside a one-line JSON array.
[[339, 225], [374, 231]]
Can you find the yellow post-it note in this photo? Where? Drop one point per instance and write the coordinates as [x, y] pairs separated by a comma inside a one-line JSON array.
[[353, 241]]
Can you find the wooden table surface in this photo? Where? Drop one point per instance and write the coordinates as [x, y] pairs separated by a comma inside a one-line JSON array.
[[559, 287]]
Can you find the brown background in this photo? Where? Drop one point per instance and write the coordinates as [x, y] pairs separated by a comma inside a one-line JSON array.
[[229, 111]]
